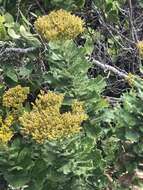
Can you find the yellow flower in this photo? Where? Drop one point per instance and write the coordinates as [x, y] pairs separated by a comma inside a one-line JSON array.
[[6, 132], [59, 25], [14, 97], [50, 100], [130, 79], [140, 47], [46, 122]]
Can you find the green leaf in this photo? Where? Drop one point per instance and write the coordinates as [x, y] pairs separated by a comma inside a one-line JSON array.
[[29, 37], [12, 33], [17, 178], [8, 18], [132, 136], [24, 18], [24, 72], [12, 75]]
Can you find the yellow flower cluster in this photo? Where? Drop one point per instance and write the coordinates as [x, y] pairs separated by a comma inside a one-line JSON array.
[[14, 97], [140, 47], [130, 79], [6, 132], [46, 122], [59, 25]]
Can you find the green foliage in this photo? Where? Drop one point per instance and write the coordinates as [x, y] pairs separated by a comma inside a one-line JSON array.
[[111, 8], [129, 125], [110, 144], [15, 163], [65, 4], [71, 164], [2, 28], [68, 74]]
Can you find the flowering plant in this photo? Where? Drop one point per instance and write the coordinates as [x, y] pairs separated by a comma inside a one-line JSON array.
[[71, 94]]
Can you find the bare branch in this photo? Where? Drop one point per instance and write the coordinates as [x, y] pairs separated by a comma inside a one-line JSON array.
[[17, 50], [105, 67], [121, 74], [133, 30]]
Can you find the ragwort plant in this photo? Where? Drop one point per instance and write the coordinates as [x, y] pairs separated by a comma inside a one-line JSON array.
[[49, 142], [53, 26], [68, 136], [48, 139]]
